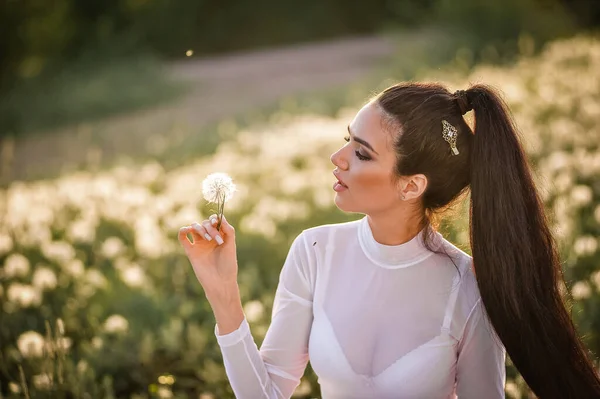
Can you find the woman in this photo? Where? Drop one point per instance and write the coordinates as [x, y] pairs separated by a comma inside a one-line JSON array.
[[385, 307]]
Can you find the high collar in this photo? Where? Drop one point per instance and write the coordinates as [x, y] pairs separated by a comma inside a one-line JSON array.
[[395, 256]]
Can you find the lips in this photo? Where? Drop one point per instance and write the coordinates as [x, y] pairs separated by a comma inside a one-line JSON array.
[[339, 180]]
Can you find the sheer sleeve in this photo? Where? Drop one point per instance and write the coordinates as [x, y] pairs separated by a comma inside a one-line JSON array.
[[275, 370], [480, 369]]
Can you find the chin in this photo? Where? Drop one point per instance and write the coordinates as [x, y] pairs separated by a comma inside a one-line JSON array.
[[344, 205]]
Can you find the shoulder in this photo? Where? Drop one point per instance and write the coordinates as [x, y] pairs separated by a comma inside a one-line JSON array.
[[311, 244], [306, 250], [468, 297], [327, 232]]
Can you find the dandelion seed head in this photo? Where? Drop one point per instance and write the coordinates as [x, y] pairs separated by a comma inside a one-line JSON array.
[[254, 310], [581, 195], [164, 392], [218, 187], [97, 343], [581, 290], [24, 295], [42, 381], [44, 278], [31, 344], [16, 265], [116, 324]]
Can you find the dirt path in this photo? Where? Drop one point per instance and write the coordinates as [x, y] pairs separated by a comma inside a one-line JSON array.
[[221, 87]]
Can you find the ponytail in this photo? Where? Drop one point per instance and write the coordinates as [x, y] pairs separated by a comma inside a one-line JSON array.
[[516, 260]]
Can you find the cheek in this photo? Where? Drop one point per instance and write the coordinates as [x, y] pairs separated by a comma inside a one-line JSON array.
[[374, 182]]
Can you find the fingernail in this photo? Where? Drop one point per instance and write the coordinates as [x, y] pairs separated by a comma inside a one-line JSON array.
[[213, 221], [208, 237], [219, 239]]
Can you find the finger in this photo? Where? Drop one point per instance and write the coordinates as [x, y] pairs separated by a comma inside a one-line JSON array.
[[210, 229], [228, 229], [195, 236], [183, 238], [201, 232]]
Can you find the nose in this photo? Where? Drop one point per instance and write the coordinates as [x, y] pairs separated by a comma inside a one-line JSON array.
[[338, 160]]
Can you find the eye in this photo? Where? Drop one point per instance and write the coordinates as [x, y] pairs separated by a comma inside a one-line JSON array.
[[357, 153], [361, 156]]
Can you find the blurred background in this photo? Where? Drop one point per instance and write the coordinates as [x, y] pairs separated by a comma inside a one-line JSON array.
[[113, 112]]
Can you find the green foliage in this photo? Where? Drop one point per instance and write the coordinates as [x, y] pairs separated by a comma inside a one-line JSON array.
[[494, 27], [87, 89]]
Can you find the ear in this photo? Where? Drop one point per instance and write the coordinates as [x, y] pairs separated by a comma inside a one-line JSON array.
[[413, 187]]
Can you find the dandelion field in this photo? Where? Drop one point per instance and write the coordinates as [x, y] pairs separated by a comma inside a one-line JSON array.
[[99, 301]]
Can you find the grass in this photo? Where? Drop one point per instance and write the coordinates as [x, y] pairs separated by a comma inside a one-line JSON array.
[[86, 90]]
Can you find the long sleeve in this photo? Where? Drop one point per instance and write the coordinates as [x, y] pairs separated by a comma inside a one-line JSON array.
[[481, 371], [275, 370]]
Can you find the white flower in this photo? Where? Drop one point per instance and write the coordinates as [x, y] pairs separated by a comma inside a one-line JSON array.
[[303, 389], [59, 251], [42, 381], [164, 392], [253, 310], [558, 160], [6, 243], [44, 278], [112, 247], [581, 290], [133, 276], [16, 265], [24, 295], [31, 344], [218, 187], [116, 324], [512, 389], [585, 245], [82, 231], [82, 366], [95, 278], [75, 267], [166, 379], [97, 343], [64, 343], [581, 195]]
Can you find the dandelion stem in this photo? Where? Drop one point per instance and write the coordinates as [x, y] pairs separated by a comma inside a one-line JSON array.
[[23, 383]]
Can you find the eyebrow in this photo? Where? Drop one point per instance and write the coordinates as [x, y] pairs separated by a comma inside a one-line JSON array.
[[361, 141]]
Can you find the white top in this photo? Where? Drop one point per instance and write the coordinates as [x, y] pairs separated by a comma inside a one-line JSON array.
[[376, 321]]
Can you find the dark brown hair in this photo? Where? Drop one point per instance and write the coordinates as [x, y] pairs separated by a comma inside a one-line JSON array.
[[514, 254]]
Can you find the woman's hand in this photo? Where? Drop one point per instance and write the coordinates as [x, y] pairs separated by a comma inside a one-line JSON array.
[[214, 260], [213, 257]]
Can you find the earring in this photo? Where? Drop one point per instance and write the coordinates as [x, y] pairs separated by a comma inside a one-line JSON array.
[[403, 197]]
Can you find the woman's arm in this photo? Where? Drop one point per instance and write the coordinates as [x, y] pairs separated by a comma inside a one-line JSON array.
[[275, 370], [227, 308], [480, 370]]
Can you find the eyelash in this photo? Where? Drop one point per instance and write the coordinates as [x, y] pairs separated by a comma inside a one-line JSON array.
[[360, 156]]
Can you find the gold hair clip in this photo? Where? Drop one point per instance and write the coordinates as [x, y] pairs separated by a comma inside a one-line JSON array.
[[450, 134]]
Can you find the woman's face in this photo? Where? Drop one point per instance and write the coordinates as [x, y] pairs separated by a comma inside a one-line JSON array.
[[365, 165]]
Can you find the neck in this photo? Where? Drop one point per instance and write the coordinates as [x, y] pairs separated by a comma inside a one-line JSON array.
[[394, 227]]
